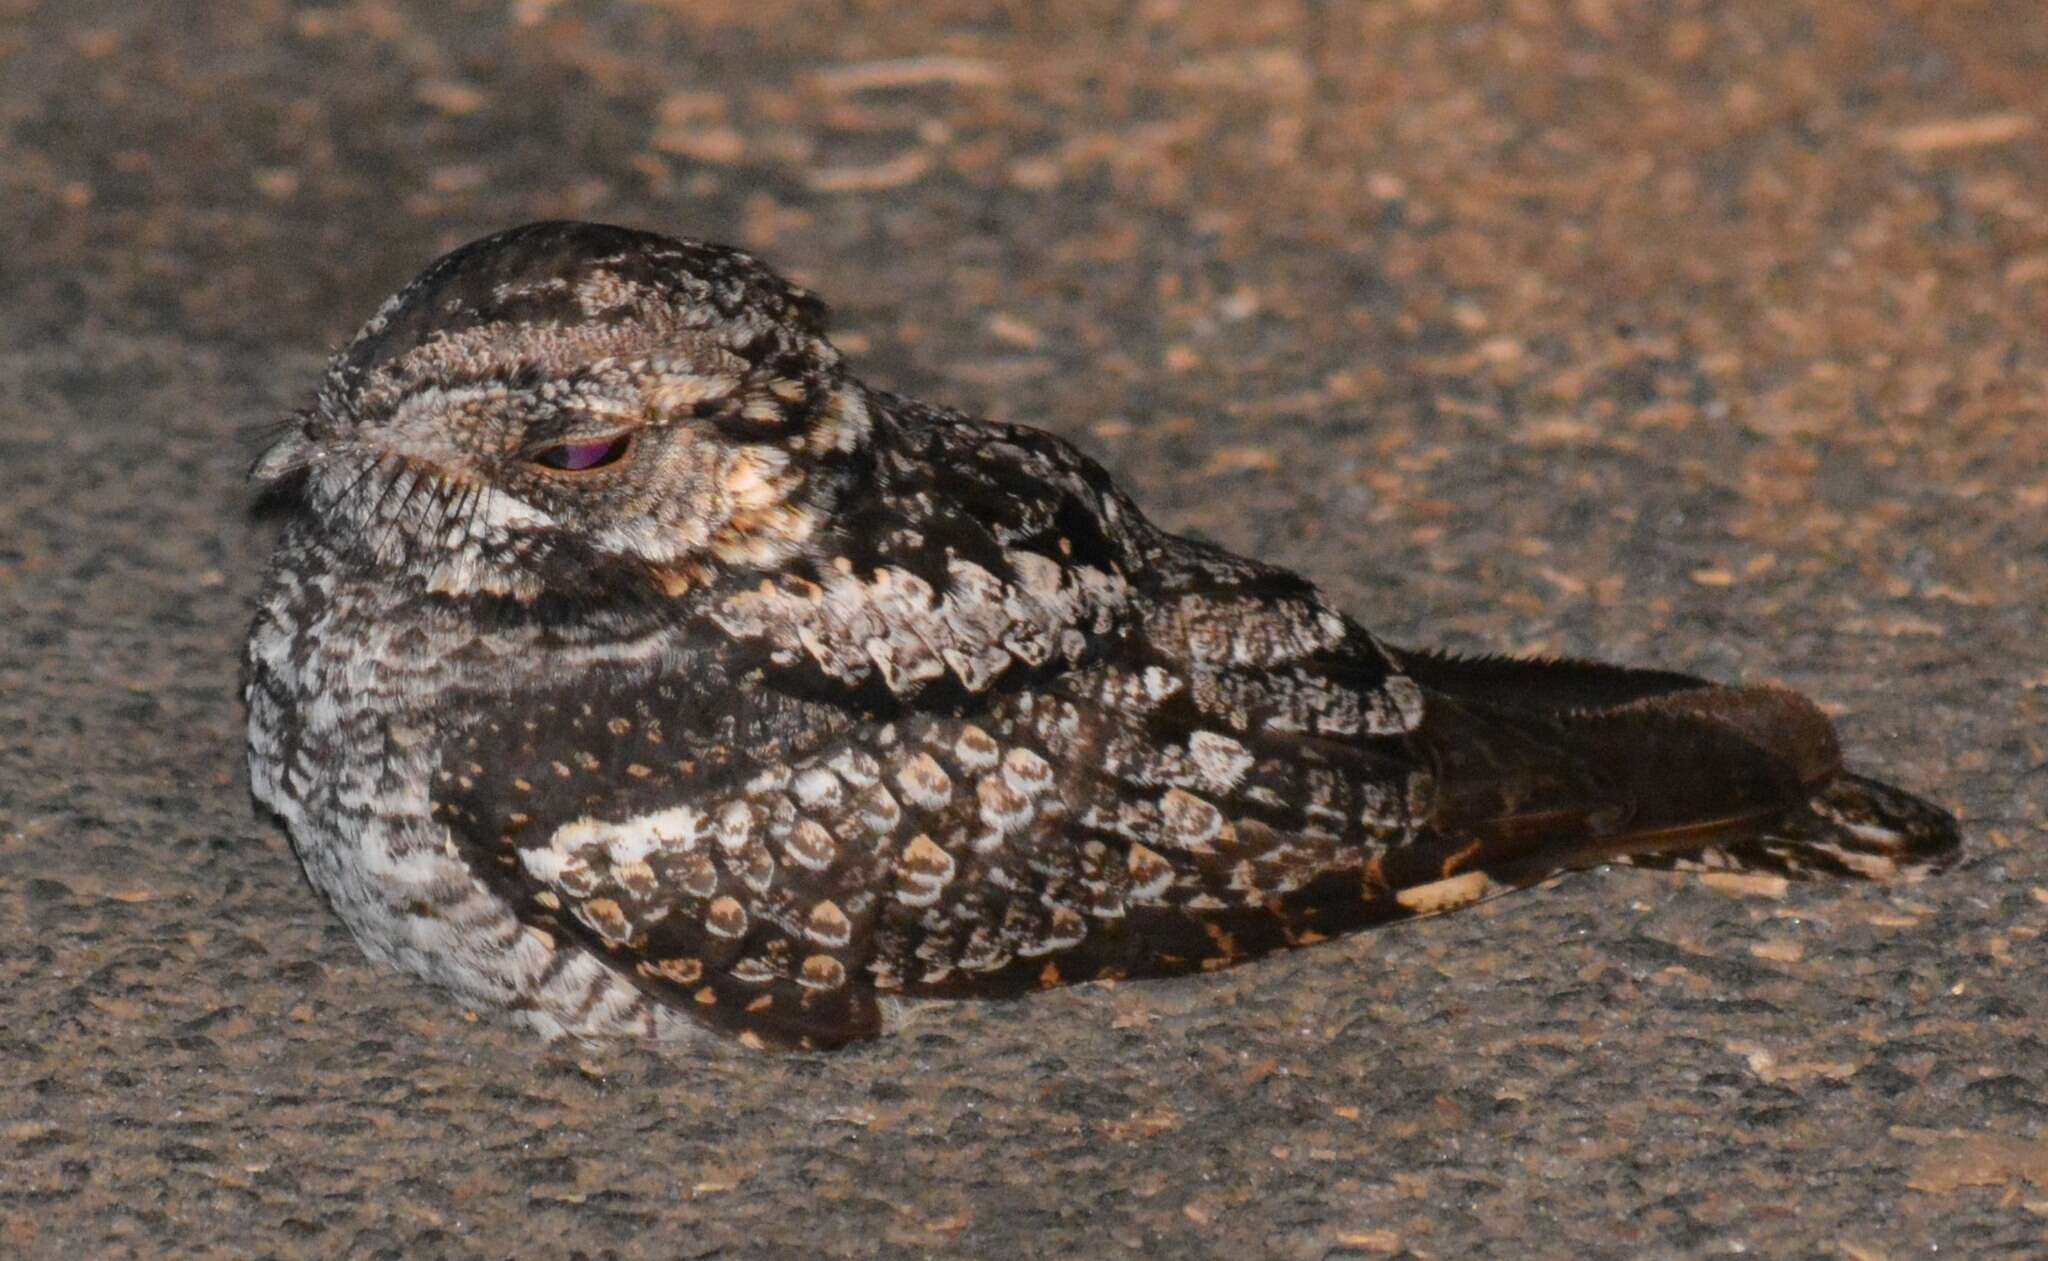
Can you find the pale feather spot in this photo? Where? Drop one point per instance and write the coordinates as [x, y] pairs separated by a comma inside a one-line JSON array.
[[675, 830], [1064, 928], [1189, 822], [1036, 572], [1026, 772], [974, 750], [699, 876], [1221, 760], [735, 826], [1266, 797], [985, 952], [1244, 877], [758, 478], [1003, 808], [768, 782], [1379, 807], [756, 868], [924, 782], [817, 788], [675, 390], [1151, 875], [1445, 895], [637, 877], [923, 871], [821, 972], [879, 811], [1396, 707], [544, 865], [576, 879], [975, 670], [904, 662], [752, 970], [1159, 685], [828, 925], [856, 768], [578, 834], [810, 845], [726, 918], [681, 971], [604, 918]]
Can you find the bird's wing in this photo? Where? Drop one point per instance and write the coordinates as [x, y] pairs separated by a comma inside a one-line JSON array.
[[772, 856], [1073, 756], [776, 876], [776, 864]]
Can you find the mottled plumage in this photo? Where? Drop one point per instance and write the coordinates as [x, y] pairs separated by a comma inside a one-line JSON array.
[[629, 664]]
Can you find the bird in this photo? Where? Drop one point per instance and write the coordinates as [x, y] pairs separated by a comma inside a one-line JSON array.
[[627, 664]]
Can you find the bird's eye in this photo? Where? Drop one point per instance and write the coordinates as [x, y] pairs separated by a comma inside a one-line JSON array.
[[575, 457]]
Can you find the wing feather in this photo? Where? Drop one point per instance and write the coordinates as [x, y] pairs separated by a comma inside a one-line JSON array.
[[1011, 751]]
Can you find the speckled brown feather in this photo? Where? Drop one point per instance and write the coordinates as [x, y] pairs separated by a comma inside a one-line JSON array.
[[811, 697]]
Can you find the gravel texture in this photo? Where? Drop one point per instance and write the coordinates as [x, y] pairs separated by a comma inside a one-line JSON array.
[[1704, 333]]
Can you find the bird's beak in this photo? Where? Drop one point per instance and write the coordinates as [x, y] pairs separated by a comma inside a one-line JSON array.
[[293, 451]]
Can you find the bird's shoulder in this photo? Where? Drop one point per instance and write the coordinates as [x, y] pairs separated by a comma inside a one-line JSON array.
[[959, 557]]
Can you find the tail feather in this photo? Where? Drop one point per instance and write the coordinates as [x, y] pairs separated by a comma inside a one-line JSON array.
[[1853, 828], [1651, 769]]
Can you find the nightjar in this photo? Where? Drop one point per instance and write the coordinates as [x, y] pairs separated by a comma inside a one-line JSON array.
[[629, 664]]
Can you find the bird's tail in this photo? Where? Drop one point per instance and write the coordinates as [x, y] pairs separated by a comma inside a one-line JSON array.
[[1553, 765], [1854, 827]]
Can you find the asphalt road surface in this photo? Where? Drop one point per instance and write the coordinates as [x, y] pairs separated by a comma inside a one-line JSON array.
[[1710, 334]]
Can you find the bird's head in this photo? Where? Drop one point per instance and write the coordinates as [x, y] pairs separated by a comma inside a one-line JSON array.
[[564, 397]]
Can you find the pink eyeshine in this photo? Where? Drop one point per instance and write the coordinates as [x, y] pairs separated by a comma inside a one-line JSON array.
[[574, 457]]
